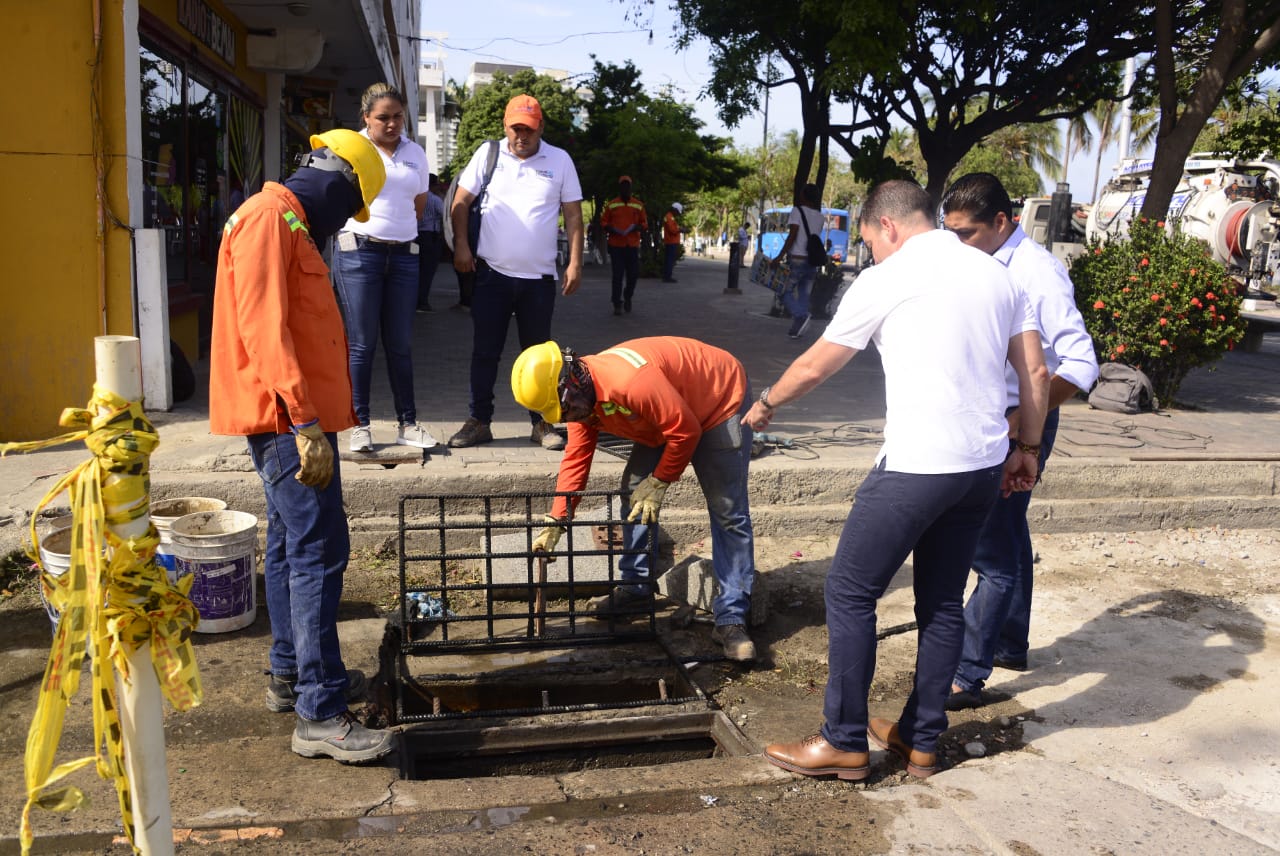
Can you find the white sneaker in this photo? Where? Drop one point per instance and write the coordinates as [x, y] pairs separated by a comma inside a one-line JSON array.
[[415, 435], [361, 439]]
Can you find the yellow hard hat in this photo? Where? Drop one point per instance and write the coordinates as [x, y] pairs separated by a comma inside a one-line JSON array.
[[535, 380], [357, 150]]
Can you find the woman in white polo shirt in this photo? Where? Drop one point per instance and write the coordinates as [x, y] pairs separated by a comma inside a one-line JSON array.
[[375, 266]]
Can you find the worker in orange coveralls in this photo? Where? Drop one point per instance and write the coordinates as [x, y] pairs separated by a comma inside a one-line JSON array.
[[680, 402]]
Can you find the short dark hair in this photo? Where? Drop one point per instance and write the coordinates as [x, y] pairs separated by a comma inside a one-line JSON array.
[[811, 196], [980, 195], [898, 200]]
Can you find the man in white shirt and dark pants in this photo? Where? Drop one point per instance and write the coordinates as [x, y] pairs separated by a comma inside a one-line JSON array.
[[998, 616], [533, 183], [945, 319]]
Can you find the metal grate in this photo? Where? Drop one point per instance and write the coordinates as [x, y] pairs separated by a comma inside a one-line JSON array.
[[472, 558], [494, 604]]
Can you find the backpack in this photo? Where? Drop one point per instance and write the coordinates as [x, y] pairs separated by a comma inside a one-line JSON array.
[[473, 218], [815, 252], [1123, 389]]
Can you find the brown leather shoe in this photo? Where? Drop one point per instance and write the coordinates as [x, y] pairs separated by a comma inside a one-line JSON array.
[[814, 756], [884, 734]]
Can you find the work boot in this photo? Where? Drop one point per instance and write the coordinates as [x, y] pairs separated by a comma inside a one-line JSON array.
[[341, 738], [621, 604], [282, 693], [737, 644], [545, 435], [472, 433]]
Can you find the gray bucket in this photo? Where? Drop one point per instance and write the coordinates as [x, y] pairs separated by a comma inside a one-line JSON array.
[[163, 513], [218, 548], [55, 560]]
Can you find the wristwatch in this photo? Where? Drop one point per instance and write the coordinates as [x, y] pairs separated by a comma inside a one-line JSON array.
[[764, 398]]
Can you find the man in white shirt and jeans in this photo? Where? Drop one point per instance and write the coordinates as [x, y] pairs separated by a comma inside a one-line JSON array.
[[945, 319], [998, 616], [533, 183]]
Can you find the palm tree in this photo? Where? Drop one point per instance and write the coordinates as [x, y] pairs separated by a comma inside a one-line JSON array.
[[1034, 145], [1076, 133], [1106, 115]]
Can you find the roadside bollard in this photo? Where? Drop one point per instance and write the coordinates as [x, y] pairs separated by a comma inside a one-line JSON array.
[[732, 287]]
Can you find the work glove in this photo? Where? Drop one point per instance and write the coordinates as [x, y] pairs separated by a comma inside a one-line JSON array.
[[647, 499], [548, 537], [315, 456]]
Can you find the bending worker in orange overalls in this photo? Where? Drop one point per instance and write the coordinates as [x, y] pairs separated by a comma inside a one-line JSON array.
[[680, 402]]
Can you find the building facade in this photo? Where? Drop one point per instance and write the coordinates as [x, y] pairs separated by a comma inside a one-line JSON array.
[[153, 120]]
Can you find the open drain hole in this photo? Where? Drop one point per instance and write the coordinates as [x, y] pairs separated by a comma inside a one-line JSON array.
[[528, 749]]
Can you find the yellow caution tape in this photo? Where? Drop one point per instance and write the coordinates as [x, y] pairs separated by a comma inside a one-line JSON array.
[[112, 600]]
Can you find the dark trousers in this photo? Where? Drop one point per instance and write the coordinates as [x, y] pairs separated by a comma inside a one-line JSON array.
[[626, 263], [497, 297], [936, 519], [429, 244], [669, 253]]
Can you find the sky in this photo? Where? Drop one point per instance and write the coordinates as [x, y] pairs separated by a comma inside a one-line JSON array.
[[562, 34]]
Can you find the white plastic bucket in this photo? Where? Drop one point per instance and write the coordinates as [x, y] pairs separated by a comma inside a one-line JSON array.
[[55, 560], [219, 549], [164, 512]]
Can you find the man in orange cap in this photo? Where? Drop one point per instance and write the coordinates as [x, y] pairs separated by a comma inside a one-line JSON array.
[[624, 221], [514, 257]]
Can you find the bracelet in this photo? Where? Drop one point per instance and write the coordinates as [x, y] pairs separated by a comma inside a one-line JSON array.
[[764, 398], [1028, 448]]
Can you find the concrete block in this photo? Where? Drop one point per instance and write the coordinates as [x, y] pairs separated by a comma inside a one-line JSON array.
[[692, 580]]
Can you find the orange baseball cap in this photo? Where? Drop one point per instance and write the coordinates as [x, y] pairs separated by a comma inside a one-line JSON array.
[[624, 178], [523, 110]]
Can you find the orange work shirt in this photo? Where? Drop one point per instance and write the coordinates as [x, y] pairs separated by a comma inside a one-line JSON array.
[[670, 229], [279, 350], [662, 391], [620, 215]]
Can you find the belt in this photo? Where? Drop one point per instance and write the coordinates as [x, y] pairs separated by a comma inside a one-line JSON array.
[[388, 243]]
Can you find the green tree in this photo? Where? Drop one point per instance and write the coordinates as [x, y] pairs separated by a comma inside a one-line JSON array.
[[1214, 47], [1018, 177]]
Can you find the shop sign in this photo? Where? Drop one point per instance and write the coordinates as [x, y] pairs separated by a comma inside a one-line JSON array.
[[211, 30]]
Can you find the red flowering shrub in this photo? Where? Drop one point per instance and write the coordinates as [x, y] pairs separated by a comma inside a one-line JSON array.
[[1180, 312]]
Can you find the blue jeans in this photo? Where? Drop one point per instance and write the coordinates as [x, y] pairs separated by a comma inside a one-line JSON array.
[[720, 462], [796, 295], [496, 297], [307, 551], [669, 253], [997, 617], [936, 518], [625, 262], [378, 287]]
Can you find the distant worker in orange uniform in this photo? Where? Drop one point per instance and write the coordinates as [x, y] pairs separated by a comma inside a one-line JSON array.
[[671, 241], [680, 402], [624, 222], [278, 368]]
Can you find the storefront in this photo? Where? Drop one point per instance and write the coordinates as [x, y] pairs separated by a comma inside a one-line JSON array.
[[202, 152]]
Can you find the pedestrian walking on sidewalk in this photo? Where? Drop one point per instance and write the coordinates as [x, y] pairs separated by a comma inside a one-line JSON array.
[[430, 241], [998, 615], [533, 184], [945, 318], [278, 361], [671, 231], [805, 220], [624, 221], [680, 402], [375, 266]]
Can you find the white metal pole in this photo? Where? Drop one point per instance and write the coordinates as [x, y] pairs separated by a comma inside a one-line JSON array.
[[1126, 111], [118, 363]]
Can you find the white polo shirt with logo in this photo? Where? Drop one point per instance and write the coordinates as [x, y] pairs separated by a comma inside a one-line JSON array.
[[521, 208], [392, 214], [941, 315]]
